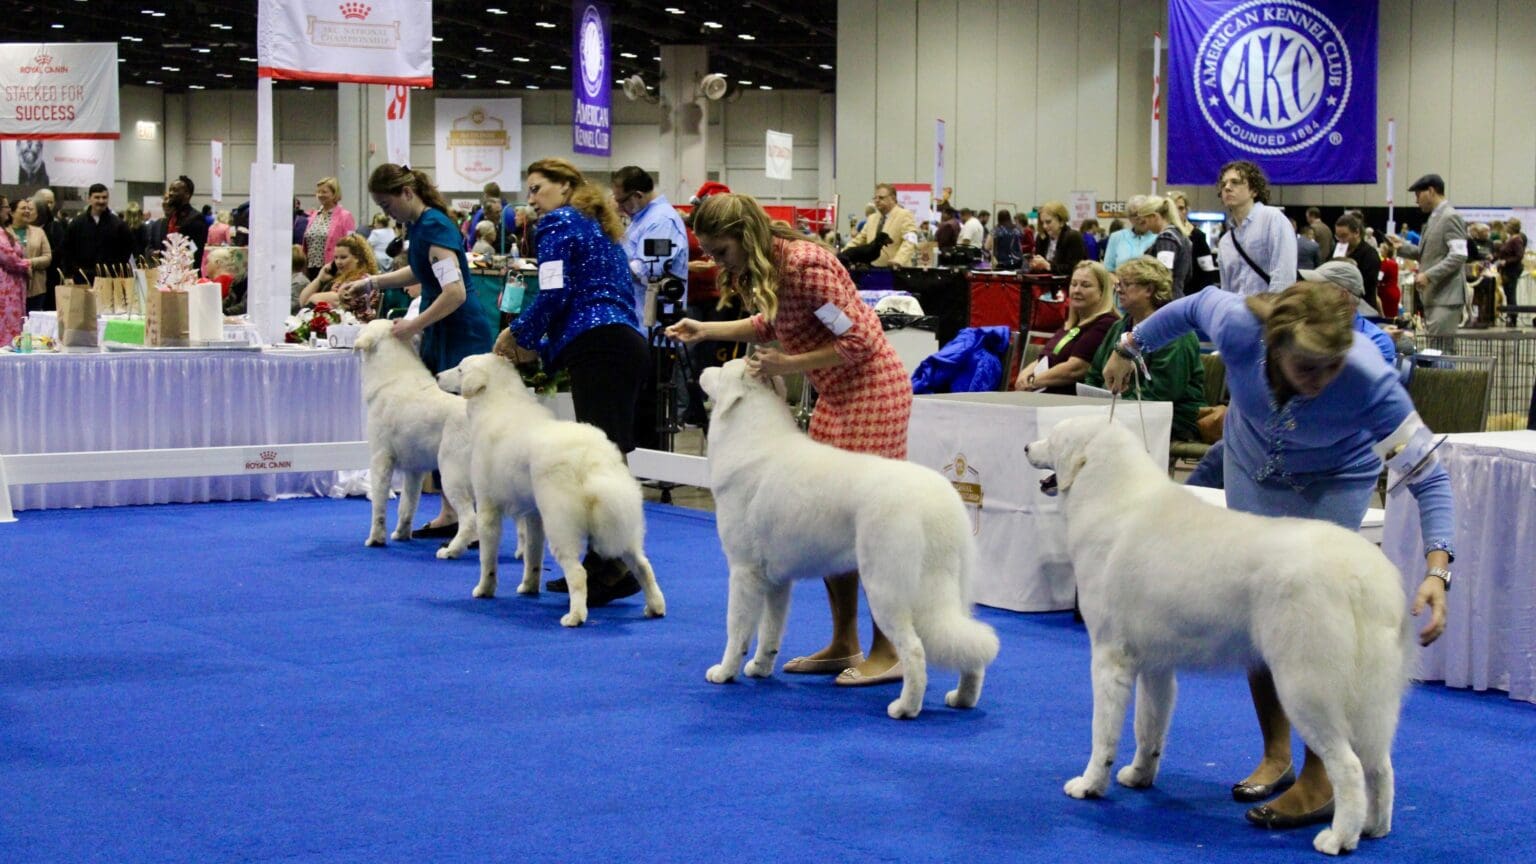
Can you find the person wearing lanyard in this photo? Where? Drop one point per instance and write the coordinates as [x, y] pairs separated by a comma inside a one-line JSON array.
[[1315, 411], [451, 324], [1068, 354]]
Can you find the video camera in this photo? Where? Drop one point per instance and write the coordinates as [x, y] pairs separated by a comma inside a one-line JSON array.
[[665, 294]]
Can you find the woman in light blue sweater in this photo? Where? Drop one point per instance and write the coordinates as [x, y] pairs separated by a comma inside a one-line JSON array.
[[1314, 411]]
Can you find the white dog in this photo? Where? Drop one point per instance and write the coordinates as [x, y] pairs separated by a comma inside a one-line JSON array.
[[561, 478], [791, 508], [1165, 580], [416, 427]]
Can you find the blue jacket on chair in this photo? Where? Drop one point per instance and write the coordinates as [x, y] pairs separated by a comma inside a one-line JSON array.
[[972, 362]]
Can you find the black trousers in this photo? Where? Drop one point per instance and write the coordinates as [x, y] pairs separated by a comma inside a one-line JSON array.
[[607, 366]]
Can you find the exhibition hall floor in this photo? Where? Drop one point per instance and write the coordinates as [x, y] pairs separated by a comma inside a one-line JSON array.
[[247, 682]]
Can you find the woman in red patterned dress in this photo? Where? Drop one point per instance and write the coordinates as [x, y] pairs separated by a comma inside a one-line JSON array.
[[803, 298]]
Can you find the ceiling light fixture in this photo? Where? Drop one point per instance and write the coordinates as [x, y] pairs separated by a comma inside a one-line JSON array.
[[483, 50], [545, 24], [533, 86], [494, 11], [626, 55], [503, 82], [747, 36], [558, 68], [827, 66], [713, 25], [675, 11]]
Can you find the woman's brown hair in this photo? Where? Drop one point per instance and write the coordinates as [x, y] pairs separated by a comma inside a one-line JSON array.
[[586, 196], [742, 219], [392, 179], [1309, 317]]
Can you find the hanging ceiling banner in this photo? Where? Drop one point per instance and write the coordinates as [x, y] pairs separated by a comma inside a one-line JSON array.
[[55, 90], [780, 156], [478, 141], [354, 41], [591, 80], [397, 124], [1289, 84], [216, 170]]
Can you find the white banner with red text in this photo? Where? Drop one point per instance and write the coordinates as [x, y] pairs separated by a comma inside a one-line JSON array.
[[36, 163], [780, 163], [397, 124], [216, 169], [58, 90], [357, 41]]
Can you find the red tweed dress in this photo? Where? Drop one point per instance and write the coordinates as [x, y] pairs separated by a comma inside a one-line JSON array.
[[864, 404]]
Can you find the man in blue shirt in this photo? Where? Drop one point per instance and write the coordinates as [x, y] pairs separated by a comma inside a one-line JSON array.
[[651, 217]]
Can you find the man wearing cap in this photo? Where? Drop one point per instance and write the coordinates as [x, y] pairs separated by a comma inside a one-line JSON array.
[[1441, 281], [899, 245]]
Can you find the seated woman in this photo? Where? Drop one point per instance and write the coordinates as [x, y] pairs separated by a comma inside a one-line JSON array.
[[1067, 356], [353, 261], [1177, 375]]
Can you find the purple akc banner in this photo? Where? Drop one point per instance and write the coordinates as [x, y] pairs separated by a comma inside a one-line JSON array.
[[1289, 84], [591, 79]]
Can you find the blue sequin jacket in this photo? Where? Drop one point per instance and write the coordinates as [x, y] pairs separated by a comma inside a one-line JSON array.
[[584, 282]]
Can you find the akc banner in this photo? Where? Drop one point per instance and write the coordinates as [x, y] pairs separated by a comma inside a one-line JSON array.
[[357, 41], [591, 83], [58, 90], [1288, 84], [478, 141], [36, 163]]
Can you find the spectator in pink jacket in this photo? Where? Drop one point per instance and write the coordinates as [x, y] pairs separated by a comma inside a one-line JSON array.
[[326, 225]]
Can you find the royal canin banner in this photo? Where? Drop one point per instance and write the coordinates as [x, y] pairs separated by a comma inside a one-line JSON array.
[[53, 91], [1288, 84], [356, 41]]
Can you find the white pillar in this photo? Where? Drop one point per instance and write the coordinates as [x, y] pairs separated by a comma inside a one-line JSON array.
[[684, 149]]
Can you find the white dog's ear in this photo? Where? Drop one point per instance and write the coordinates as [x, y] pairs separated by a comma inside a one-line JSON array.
[[709, 379], [472, 381], [1067, 472]]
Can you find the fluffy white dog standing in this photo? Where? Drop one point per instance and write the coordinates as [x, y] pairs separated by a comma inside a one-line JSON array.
[[791, 508], [416, 427], [563, 479], [1166, 580]]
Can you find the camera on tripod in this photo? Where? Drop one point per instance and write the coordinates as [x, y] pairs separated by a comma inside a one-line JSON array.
[[664, 294]]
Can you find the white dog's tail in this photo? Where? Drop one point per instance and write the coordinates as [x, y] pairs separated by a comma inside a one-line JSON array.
[[951, 637], [614, 509], [1384, 663]]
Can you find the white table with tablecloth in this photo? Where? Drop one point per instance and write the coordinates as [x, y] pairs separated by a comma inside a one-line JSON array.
[[1490, 637], [976, 440], [111, 401]]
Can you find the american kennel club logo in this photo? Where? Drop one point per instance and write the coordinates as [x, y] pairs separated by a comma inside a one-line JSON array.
[[479, 143], [967, 481], [267, 460], [353, 30], [1273, 77]]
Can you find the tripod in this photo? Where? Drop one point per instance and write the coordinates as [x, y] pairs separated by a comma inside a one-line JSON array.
[[673, 373]]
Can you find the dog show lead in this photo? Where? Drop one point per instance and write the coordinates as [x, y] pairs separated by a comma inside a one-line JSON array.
[[803, 297], [451, 324], [1315, 411]]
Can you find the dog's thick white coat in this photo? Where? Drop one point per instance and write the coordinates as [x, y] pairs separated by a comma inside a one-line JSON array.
[[1165, 580], [558, 478], [791, 508], [416, 427]]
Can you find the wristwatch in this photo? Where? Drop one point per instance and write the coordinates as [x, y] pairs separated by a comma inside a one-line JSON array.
[[1442, 574]]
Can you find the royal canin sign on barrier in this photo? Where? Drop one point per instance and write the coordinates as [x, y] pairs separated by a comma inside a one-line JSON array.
[[55, 91], [356, 41]]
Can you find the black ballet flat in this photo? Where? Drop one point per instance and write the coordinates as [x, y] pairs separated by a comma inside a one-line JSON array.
[[428, 531], [1250, 792], [1265, 816]]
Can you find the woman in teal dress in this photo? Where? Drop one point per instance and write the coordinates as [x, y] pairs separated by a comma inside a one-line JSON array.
[[451, 324]]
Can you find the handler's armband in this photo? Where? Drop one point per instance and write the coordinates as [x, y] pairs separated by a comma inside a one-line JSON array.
[[447, 271], [1410, 448]]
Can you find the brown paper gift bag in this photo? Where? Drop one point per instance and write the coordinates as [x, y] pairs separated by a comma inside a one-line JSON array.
[[77, 316], [169, 319], [122, 291]]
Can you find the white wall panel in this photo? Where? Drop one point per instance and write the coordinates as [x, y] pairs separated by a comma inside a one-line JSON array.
[[1014, 102], [1511, 121], [1056, 92], [898, 155], [938, 52], [857, 118], [976, 121]]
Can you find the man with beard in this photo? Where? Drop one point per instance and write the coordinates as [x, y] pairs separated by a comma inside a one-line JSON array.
[[97, 238]]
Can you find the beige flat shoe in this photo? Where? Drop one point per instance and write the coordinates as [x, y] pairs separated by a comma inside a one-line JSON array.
[[826, 666], [854, 678]]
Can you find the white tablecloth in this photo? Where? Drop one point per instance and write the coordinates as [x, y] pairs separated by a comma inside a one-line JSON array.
[[976, 440], [1490, 638], [44, 323], [54, 403]]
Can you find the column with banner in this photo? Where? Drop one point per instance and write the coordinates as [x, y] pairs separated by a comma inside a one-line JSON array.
[[376, 42], [58, 113], [1288, 84], [591, 80]]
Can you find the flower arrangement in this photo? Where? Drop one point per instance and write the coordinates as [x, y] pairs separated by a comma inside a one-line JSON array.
[[315, 321]]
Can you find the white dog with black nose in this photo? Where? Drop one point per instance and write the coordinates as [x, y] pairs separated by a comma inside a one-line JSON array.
[[415, 427], [791, 508], [1165, 580], [560, 479]]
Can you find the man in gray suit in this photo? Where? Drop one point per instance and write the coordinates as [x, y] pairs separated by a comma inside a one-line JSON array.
[[1441, 280]]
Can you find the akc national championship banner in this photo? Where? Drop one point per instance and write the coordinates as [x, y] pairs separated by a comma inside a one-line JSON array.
[[1288, 84], [357, 41], [478, 141], [58, 90]]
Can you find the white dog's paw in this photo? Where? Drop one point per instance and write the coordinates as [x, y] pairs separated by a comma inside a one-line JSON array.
[[956, 699], [402, 534], [718, 674], [1082, 787], [445, 553], [1378, 827], [1330, 842], [572, 619], [1133, 777], [657, 611], [756, 668], [375, 540], [484, 591], [526, 587], [899, 710]]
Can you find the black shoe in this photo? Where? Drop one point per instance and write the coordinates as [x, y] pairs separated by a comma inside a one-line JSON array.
[[473, 544], [1250, 792], [440, 531], [603, 593], [557, 586], [1264, 816]]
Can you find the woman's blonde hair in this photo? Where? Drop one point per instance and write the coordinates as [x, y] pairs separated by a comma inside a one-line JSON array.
[[1057, 210], [1313, 318], [586, 196], [1180, 204], [1150, 272], [742, 219], [1106, 294], [300, 260], [1159, 205], [330, 183], [367, 264]]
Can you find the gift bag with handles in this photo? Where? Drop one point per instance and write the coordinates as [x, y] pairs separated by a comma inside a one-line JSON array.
[[169, 318], [77, 316]]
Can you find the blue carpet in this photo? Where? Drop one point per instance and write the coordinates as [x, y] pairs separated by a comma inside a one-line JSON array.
[[247, 682]]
